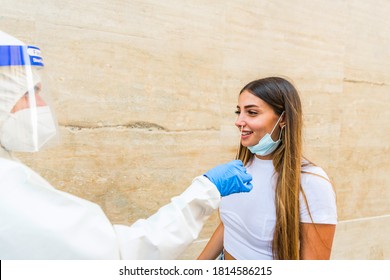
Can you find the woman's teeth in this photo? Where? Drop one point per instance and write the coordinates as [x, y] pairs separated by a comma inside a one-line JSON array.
[[244, 133]]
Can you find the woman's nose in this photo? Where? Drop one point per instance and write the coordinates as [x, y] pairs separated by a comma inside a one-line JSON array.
[[240, 122]]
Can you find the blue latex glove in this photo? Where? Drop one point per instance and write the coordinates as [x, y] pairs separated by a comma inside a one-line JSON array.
[[230, 178]]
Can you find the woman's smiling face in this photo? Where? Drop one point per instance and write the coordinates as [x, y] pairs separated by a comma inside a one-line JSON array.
[[256, 118]]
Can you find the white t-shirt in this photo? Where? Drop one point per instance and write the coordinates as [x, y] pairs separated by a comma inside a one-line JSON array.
[[249, 218]]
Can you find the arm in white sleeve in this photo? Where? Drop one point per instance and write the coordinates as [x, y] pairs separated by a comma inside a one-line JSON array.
[[40, 222], [173, 227]]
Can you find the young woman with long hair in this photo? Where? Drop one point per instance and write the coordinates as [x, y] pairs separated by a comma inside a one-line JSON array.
[[291, 212]]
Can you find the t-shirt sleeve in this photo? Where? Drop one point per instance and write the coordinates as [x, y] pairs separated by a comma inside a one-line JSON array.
[[320, 198]]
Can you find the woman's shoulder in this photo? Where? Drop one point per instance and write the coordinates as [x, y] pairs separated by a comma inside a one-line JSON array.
[[312, 169], [318, 194], [312, 174]]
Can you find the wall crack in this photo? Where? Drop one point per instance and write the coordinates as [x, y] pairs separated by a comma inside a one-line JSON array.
[[133, 125], [365, 82]]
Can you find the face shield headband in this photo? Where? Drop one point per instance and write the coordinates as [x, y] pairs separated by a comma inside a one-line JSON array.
[[20, 55]]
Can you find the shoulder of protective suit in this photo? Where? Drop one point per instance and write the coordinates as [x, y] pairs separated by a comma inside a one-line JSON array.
[[5, 163], [10, 169]]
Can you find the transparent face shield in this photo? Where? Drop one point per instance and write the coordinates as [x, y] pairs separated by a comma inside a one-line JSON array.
[[27, 122]]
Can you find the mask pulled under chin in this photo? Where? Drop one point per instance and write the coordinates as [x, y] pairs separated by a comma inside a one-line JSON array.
[[266, 144], [21, 133]]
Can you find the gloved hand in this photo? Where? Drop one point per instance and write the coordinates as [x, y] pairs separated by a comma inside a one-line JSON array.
[[230, 178]]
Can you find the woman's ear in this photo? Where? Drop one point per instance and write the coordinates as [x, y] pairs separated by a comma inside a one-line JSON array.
[[282, 122]]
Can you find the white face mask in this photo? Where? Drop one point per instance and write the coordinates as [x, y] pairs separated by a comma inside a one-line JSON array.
[[20, 133]]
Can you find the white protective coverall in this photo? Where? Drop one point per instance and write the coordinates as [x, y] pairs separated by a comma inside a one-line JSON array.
[[41, 222]]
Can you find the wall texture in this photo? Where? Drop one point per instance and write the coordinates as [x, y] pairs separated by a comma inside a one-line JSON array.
[[145, 93]]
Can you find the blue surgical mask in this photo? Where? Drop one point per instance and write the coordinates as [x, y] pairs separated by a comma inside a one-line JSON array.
[[266, 144]]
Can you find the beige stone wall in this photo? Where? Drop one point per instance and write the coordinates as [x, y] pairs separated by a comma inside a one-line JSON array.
[[145, 93]]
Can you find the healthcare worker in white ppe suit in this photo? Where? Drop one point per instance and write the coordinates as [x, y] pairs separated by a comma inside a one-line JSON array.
[[38, 221]]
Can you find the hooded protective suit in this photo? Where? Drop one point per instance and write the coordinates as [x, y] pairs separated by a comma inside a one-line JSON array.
[[38, 221]]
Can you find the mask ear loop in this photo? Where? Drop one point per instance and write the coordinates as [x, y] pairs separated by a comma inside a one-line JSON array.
[[281, 131], [277, 124]]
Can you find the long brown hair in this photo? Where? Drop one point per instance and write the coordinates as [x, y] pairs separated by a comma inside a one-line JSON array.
[[281, 95]]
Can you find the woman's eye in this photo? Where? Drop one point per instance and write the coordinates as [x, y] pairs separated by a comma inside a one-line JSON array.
[[237, 112], [252, 113]]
